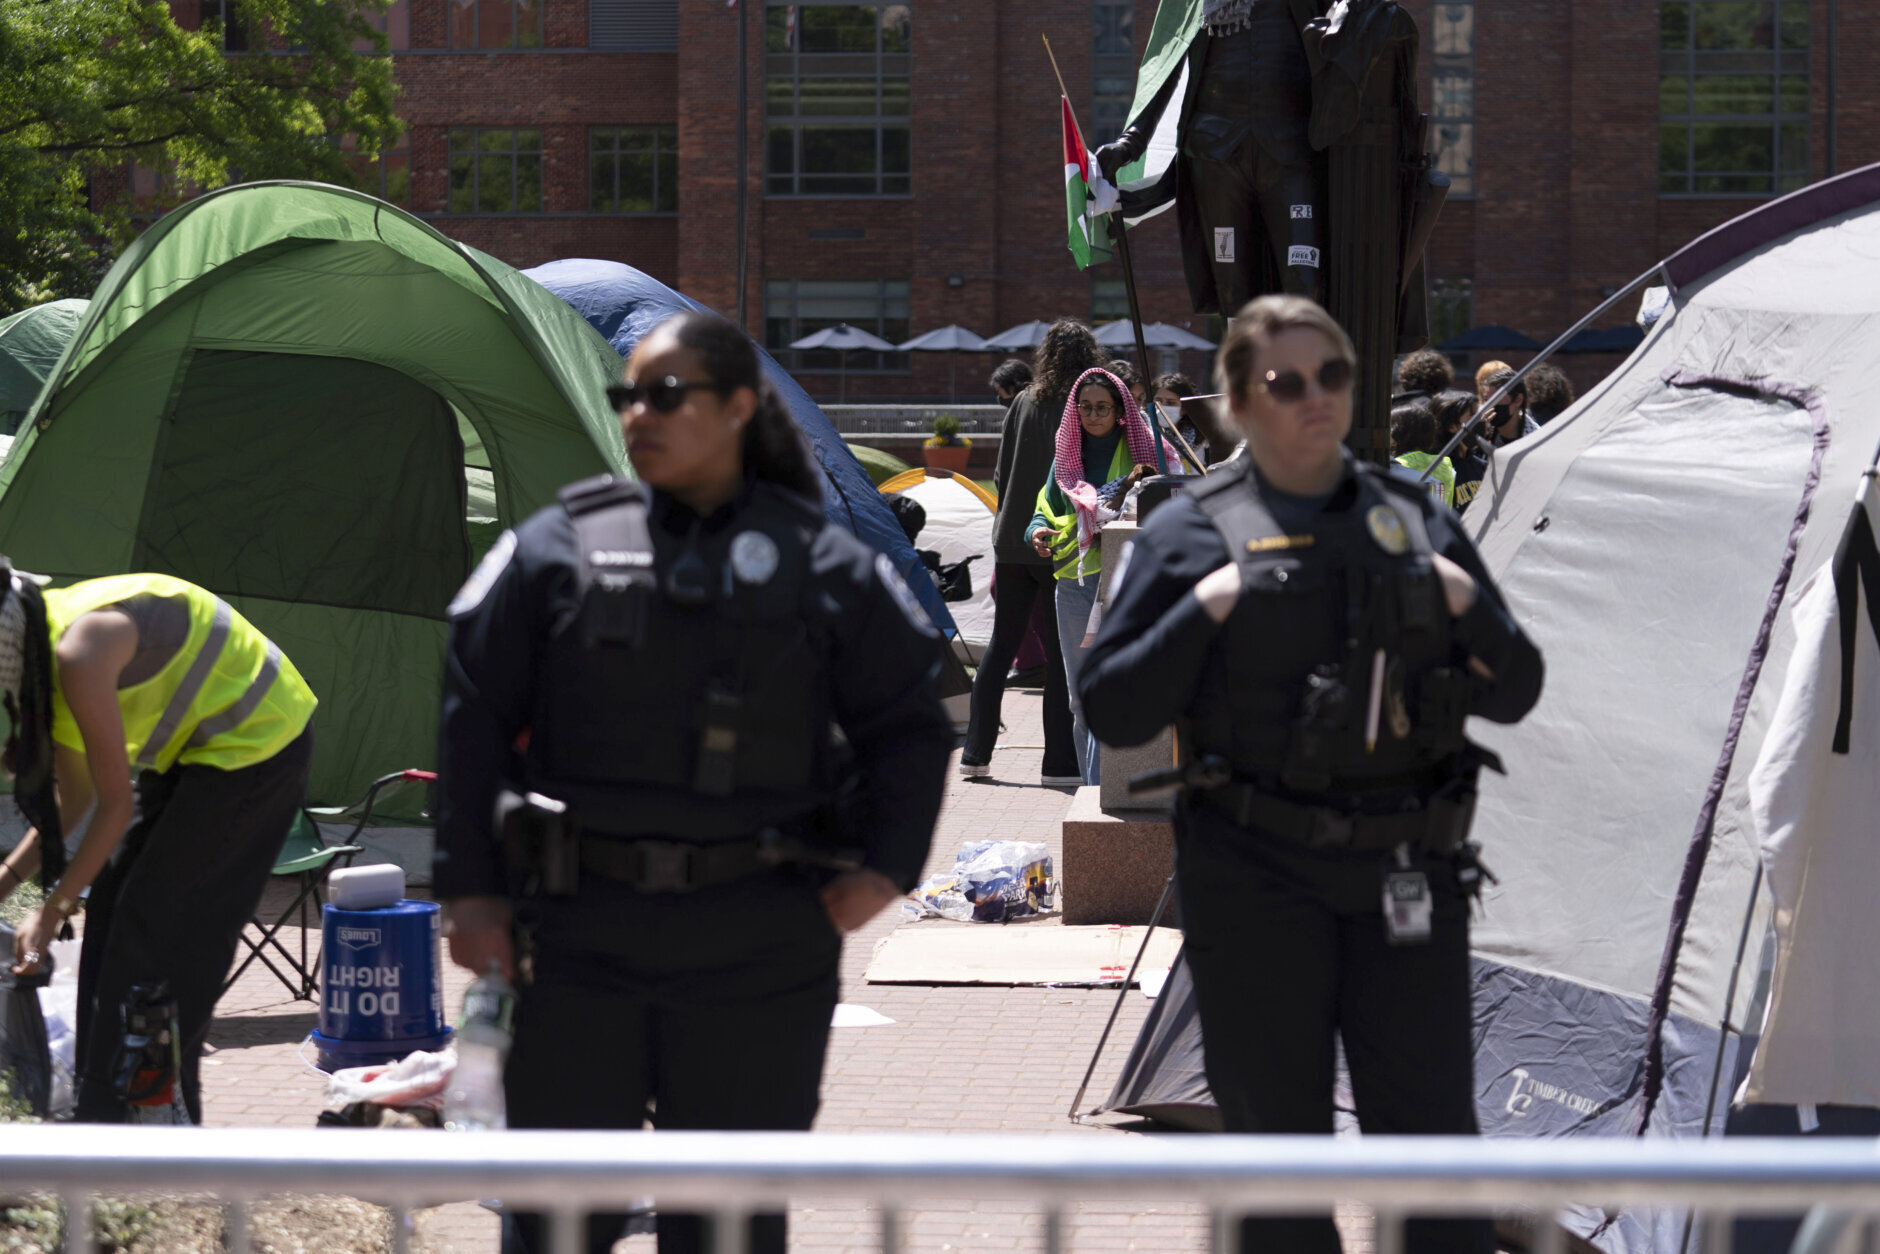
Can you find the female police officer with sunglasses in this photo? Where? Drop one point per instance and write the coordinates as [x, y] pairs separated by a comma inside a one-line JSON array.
[[665, 667], [1320, 629]]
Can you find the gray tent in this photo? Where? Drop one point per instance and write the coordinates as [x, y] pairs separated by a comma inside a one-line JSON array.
[[1656, 540]]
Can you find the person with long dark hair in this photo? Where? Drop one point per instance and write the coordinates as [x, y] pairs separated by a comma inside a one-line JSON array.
[[1021, 577], [711, 717]]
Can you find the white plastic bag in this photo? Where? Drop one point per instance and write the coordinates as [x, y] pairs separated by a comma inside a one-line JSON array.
[[992, 881], [417, 1079]]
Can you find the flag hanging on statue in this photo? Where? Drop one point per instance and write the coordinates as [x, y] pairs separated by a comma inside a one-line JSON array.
[[1086, 196]]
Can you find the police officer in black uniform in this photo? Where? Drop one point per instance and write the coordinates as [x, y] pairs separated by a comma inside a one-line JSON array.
[[708, 719], [1318, 629]]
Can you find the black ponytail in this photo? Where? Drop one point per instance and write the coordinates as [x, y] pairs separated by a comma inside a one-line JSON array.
[[773, 448]]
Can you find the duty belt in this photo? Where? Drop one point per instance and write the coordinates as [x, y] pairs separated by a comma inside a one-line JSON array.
[[1322, 827], [678, 866]]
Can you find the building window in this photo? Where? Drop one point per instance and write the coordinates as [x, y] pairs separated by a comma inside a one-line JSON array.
[[1452, 308], [1109, 300], [496, 23], [1113, 69], [495, 170], [794, 308], [633, 25], [237, 33], [387, 176], [633, 169], [1452, 94], [1732, 97], [394, 21], [836, 99]]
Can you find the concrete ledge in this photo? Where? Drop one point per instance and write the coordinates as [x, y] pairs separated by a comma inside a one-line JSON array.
[[1115, 863]]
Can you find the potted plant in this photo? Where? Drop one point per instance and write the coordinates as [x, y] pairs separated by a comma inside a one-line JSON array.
[[948, 449]]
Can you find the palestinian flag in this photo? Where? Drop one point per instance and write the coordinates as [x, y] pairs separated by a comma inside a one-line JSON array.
[[1089, 233], [1148, 183]]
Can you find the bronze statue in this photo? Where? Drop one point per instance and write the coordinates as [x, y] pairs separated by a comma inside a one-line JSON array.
[[1297, 165]]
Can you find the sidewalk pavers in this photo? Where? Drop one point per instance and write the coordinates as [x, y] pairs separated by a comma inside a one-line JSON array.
[[956, 1059]]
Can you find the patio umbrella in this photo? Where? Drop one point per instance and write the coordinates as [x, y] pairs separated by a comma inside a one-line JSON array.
[[1024, 335], [1120, 334], [948, 339], [844, 338], [1619, 339], [1489, 337]]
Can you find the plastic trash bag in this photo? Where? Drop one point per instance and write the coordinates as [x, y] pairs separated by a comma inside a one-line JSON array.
[[992, 881], [25, 1058], [58, 1005], [417, 1079]]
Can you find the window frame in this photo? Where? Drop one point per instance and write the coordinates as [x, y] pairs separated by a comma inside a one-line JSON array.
[[885, 364], [887, 67], [660, 133], [1459, 67], [476, 152], [476, 26], [1112, 71], [1779, 63]]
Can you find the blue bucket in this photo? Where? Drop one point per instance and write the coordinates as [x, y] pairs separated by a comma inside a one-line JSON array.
[[381, 994]]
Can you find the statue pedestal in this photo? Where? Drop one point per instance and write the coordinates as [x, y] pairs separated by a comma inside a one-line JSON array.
[[1115, 863]]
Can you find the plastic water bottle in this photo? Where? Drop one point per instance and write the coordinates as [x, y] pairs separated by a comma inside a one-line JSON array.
[[473, 1101]]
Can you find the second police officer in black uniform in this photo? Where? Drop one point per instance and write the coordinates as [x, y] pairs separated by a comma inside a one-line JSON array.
[[715, 717], [1318, 629]]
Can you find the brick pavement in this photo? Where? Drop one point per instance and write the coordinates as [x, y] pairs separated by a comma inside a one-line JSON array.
[[961, 1059]]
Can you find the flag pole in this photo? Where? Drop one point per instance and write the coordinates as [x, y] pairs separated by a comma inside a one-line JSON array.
[[1120, 229]]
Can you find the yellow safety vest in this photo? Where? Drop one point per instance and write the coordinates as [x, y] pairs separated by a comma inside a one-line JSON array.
[[1064, 526], [228, 699]]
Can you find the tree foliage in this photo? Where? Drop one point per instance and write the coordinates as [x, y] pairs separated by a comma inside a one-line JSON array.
[[87, 86]]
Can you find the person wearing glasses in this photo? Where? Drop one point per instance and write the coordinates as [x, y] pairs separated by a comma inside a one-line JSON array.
[[1103, 447], [1318, 629], [675, 689]]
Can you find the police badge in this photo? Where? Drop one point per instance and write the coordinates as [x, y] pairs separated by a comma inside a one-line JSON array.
[[1387, 529], [753, 557]]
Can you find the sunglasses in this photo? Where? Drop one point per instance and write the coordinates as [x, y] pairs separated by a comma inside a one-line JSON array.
[[662, 396], [1290, 386]]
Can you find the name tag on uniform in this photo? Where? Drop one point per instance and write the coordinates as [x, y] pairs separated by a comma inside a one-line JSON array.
[[1266, 544], [1407, 908]]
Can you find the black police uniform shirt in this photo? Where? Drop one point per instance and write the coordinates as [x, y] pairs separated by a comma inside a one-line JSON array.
[[1144, 669], [881, 655]]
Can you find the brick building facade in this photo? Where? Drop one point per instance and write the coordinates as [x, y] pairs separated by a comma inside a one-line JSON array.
[[1560, 119]]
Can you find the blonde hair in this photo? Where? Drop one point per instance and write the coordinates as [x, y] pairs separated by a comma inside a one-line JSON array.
[[1483, 371], [1257, 323]]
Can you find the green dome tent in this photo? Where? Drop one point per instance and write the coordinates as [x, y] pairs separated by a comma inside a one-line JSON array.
[[321, 409], [30, 343]]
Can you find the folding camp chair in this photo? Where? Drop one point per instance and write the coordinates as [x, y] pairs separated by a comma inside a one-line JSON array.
[[306, 858]]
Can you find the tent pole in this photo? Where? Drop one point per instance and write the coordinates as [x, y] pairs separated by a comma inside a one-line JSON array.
[[1168, 890], [1483, 409]]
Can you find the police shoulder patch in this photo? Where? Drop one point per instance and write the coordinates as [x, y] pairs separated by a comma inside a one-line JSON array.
[[904, 597], [484, 577]]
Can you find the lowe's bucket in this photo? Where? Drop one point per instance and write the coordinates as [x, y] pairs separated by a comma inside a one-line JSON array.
[[381, 994]]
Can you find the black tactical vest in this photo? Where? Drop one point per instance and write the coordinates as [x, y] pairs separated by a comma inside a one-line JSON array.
[[656, 716], [1286, 694]]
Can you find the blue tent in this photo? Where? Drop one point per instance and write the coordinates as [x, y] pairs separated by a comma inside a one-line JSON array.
[[624, 304]]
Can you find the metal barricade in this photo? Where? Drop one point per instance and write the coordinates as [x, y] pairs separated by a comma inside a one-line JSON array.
[[733, 1175]]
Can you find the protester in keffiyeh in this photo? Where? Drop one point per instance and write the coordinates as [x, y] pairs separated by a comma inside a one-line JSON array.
[[1067, 472], [1102, 439]]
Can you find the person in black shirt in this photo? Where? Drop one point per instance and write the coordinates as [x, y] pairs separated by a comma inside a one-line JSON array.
[[1453, 409], [1021, 578], [1319, 629], [669, 664]]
